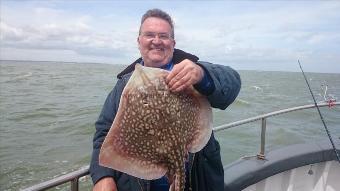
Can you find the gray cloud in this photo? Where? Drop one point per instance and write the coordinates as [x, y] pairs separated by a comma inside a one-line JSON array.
[[239, 33]]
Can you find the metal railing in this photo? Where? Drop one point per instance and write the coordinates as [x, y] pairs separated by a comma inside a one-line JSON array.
[[74, 176]]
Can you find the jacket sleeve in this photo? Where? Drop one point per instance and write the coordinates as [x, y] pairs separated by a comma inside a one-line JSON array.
[[103, 125], [227, 84]]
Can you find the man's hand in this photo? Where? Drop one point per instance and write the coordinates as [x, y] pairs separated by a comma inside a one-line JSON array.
[[183, 75], [105, 184]]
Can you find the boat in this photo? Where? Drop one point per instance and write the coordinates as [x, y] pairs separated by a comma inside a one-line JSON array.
[[304, 167]]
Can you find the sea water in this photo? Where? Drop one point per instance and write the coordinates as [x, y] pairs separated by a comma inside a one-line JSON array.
[[48, 111]]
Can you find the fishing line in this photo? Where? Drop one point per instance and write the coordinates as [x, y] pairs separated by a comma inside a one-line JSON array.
[[324, 124]]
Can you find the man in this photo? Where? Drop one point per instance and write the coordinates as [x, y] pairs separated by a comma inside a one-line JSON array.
[[221, 85]]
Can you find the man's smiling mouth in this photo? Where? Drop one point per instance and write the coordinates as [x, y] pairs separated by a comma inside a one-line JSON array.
[[157, 49]]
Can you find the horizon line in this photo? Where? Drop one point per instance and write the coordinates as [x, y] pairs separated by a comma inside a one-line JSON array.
[[80, 62]]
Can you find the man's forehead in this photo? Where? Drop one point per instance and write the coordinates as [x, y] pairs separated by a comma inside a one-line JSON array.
[[155, 23]]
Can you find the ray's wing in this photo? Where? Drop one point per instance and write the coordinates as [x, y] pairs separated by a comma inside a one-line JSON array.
[[116, 151], [205, 123]]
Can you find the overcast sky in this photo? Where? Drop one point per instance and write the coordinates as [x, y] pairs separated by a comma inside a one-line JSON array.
[[254, 35]]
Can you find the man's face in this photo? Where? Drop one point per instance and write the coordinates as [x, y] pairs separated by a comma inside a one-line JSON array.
[[155, 42]]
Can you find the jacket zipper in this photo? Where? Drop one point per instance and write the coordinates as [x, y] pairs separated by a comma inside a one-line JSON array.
[[191, 165], [141, 187]]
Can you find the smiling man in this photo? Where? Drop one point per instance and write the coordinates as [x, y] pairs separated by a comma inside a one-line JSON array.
[[221, 85], [156, 43]]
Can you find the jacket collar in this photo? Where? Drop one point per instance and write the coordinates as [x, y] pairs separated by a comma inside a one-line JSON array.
[[179, 56]]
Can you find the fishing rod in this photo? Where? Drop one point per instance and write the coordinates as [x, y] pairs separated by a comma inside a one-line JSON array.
[[323, 121]]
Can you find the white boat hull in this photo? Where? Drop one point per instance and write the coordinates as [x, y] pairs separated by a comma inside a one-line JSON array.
[[303, 167], [324, 176]]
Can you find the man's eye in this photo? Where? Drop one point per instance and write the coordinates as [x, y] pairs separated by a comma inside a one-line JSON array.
[[149, 35], [164, 36]]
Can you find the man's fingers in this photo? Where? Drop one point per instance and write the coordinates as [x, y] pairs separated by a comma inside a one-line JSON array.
[[182, 85], [181, 77], [174, 72], [105, 184]]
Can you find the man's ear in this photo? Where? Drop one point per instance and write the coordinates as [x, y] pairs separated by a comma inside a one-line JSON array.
[[138, 42]]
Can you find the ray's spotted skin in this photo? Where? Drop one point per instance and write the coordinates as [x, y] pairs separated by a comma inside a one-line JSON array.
[[155, 129]]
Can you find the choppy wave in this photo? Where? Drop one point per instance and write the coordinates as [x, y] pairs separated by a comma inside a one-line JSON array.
[[257, 88], [239, 101]]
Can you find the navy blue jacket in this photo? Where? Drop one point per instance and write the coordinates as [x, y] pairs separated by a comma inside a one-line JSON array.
[[205, 167]]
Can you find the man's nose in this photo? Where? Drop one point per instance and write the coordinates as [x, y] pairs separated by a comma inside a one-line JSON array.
[[156, 40]]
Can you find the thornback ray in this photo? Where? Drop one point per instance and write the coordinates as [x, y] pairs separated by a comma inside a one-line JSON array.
[[154, 128]]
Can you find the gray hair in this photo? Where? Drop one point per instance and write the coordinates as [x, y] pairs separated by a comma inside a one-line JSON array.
[[158, 14]]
